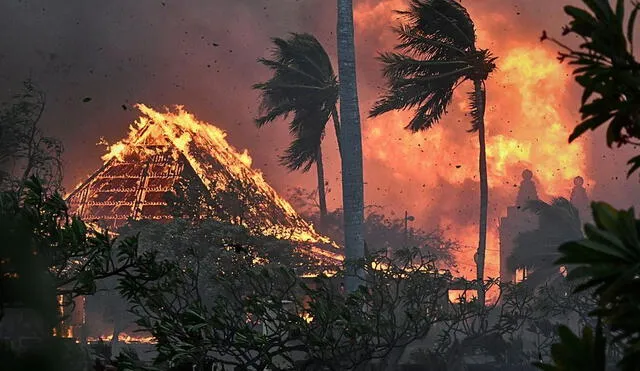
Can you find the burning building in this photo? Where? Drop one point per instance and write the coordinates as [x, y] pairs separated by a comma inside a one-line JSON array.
[[172, 152], [173, 165]]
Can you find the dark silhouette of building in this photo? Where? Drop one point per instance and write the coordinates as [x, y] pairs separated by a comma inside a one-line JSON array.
[[580, 200], [519, 220]]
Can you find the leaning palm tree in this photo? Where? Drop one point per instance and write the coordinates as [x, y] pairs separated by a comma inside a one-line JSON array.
[[537, 250], [437, 52], [303, 85], [352, 177]]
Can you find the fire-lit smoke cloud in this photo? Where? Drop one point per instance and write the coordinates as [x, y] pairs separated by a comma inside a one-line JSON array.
[[202, 54], [527, 128]]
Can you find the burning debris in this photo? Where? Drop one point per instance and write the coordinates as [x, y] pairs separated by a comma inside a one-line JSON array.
[[124, 338], [164, 149]]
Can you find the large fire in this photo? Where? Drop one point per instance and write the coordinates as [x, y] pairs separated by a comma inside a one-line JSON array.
[[183, 129], [527, 127], [162, 149], [434, 174]]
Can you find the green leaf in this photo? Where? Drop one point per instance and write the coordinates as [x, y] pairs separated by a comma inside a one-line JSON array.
[[629, 232], [605, 216], [579, 273], [605, 251], [610, 241]]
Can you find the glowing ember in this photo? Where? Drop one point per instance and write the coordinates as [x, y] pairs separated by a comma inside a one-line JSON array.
[[124, 338]]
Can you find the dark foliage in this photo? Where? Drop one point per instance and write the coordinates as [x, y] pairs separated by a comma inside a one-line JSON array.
[[24, 150], [218, 243], [52, 354], [381, 232], [257, 317], [536, 250], [305, 86], [47, 253], [606, 69], [608, 260], [578, 353]]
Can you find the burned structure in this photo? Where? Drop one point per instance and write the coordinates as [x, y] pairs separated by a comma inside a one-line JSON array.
[[172, 165]]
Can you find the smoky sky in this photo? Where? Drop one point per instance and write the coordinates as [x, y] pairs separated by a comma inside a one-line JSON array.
[[198, 53], [202, 54]]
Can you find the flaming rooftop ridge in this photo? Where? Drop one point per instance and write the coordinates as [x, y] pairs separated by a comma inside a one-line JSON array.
[[163, 148]]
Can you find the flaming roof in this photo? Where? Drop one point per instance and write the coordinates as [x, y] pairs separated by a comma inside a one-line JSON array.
[[164, 148]]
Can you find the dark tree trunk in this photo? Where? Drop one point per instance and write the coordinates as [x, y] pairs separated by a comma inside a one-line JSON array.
[[351, 142], [336, 127], [484, 190], [322, 195]]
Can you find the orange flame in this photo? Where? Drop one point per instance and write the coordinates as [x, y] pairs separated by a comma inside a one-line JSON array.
[[437, 173], [124, 338], [196, 139]]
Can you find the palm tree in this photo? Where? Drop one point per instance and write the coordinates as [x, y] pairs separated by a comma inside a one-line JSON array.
[[537, 250], [303, 84], [437, 52], [351, 137]]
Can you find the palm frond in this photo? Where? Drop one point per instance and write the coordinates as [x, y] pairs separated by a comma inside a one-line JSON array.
[[534, 249], [305, 51], [559, 214], [304, 89], [431, 110], [417, 44], [302, 77], [443, 19], [308, 130], [400, 66], [290, 69], [536, 206], [275, 111], [431, 93]]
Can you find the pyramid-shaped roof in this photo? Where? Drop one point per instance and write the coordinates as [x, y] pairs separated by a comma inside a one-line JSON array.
[[165, 149]]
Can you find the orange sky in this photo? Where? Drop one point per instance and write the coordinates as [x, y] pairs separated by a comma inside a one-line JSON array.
[[202, 54], [434, 174]]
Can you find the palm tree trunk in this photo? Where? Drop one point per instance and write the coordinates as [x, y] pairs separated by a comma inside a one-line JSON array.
[[351, 137], [480, 94], [336, 127], [322, 195]]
